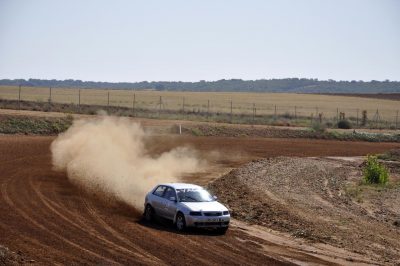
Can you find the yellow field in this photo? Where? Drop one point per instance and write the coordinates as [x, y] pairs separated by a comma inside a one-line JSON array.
[[242, 103]]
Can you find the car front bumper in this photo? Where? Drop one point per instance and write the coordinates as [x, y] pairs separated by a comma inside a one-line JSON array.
[[207, 221]]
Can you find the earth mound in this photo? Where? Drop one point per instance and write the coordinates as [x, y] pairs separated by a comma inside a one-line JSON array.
[[320, 199]]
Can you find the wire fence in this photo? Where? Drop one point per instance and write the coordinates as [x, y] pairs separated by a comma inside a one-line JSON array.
[[197, 107]]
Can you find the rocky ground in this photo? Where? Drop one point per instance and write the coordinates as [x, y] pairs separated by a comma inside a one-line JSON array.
[[320, 199], [8, 257]]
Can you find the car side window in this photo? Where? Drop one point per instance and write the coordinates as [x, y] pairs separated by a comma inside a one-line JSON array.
[[170, 192], [159, 191]]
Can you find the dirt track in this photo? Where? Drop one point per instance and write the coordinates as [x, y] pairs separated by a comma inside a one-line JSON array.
[[50, 221]]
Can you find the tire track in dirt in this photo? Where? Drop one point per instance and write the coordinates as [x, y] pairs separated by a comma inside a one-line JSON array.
[[143, 254], [35, 221], [115, 248], [50, 220]]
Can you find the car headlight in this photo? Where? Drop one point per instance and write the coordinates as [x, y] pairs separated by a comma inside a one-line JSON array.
[[195, 213], [225, 213]]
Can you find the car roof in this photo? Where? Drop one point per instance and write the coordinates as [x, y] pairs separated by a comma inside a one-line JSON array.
[[181, 185]]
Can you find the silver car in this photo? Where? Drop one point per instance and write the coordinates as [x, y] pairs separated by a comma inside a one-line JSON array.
[[186, 205]]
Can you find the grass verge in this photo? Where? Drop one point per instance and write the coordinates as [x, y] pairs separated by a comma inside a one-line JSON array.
[[34, 125]]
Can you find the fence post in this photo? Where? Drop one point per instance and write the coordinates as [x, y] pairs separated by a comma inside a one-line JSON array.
[[231, 111], [19, 97], [50, 98], [275, 112], [337, 115], [397, 118], [208, 109], [376, 118], [183, 107], [79, 100], [254, 112], [133, 104], [108, 100], [357, 117], [295, 113], [159, 108]]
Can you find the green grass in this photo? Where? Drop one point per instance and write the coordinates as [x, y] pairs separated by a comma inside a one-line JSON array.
[[361, 191], [392, 155]]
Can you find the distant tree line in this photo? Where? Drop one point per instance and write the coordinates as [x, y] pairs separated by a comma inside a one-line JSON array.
[[262, 85]]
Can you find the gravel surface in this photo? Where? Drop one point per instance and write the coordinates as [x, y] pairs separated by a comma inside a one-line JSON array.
[[319, 199]]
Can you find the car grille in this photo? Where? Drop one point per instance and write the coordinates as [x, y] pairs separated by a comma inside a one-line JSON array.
[[212, 213]]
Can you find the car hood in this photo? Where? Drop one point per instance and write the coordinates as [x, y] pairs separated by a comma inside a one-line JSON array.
[[204, 206]]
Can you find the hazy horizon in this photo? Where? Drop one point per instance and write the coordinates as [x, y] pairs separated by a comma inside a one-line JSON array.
[[194, 81], [133, 41]]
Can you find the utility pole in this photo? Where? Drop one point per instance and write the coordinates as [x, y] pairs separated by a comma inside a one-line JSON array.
[[108, 100], [275, 112]]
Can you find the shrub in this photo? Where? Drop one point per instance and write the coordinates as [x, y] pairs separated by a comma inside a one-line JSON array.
[[197, 132], [318, 127], [374, 172], [344, 124]]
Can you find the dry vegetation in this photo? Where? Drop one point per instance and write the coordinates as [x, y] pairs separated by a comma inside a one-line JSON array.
[[306, 104]]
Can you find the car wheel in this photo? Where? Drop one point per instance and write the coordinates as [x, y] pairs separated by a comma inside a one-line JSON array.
[[180, 222], [149, 213]]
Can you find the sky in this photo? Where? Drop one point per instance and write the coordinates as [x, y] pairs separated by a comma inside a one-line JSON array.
[[187, 40]]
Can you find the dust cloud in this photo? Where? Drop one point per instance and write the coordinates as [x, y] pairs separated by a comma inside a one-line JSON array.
[[108, 155]]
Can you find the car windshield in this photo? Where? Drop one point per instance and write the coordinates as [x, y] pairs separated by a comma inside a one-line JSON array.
[[194, 195]]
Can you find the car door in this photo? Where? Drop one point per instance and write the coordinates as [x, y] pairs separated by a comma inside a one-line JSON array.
[[169, 203], [158, 201]]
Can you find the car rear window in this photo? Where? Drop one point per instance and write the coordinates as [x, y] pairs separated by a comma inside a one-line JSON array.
[[159, 191]]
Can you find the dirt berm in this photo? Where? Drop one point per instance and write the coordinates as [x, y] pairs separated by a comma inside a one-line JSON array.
[[320, 199]]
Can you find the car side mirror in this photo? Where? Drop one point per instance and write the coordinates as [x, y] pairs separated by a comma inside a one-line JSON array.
[[215, 197], [172, 199]]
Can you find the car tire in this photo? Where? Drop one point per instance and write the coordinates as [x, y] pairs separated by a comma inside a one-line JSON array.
[[180, 222], [148, 213]]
